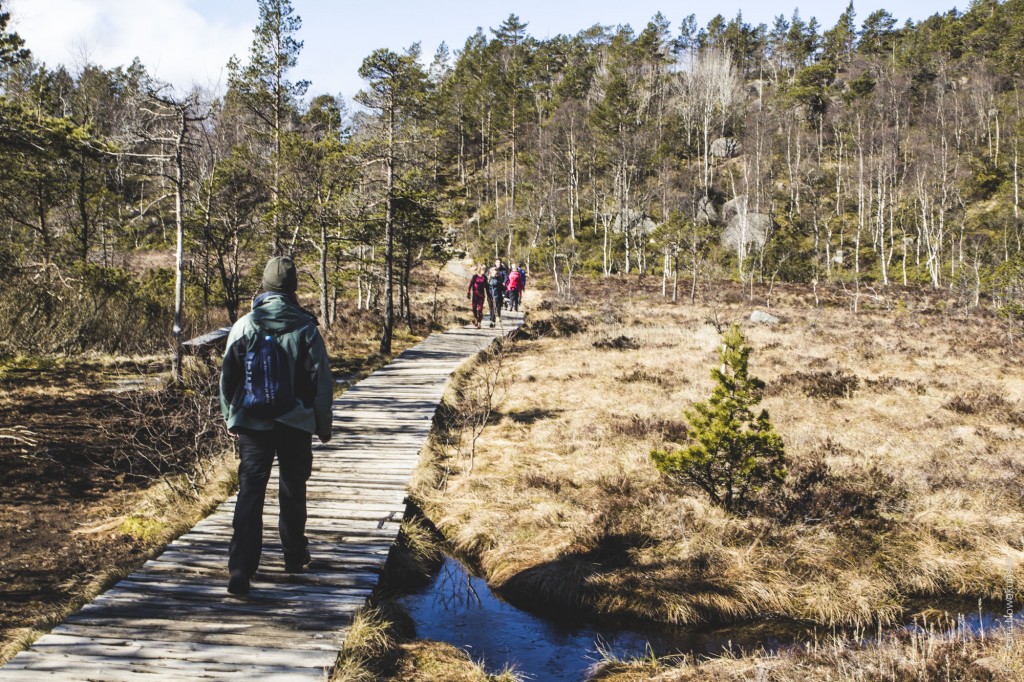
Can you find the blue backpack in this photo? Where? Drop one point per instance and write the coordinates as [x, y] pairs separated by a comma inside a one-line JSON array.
[[268, 383]]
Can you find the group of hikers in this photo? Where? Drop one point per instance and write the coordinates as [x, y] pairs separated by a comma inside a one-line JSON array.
[[500, 286], [276, 393]]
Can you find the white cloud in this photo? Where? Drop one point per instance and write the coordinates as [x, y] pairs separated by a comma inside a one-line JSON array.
[[174, 41]]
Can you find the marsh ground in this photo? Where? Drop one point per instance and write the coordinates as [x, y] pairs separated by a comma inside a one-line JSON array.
[[903, 430]]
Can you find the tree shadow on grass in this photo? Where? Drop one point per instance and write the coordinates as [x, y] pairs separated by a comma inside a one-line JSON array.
[[532, 416], [563, 588]]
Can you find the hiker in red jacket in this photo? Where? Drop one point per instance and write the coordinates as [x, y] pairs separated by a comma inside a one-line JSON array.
[[514, 287], [477, 294]]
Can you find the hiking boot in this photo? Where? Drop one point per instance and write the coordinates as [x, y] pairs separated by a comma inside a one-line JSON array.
[[296, 565], [238, 582]]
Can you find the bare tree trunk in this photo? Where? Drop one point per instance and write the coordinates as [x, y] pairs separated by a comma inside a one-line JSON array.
[[389, 238], [179, 252], [325, 312]]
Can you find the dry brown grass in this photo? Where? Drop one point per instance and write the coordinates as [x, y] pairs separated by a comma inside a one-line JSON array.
[[905, 470], [440, 662], [379, 648], [908, 658]]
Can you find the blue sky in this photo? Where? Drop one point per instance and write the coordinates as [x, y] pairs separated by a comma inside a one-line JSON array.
[[190, 41]]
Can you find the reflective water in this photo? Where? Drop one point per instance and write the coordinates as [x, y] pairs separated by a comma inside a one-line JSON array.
[[460, 609]]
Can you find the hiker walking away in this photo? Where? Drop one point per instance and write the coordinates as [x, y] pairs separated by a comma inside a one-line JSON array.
[[496, 281], [276, 391], [476, 294], [513, 287]]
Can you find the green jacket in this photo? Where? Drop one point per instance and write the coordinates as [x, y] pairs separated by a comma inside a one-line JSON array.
[[296, 331]]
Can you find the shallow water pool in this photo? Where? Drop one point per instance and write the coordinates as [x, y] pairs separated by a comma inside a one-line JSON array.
[[460, 609]]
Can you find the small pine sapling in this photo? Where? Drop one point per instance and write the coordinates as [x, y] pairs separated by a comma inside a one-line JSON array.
[[730, 454]]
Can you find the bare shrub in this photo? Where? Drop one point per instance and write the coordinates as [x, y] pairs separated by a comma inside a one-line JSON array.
[[174, 434], [617, 343], [556, 484], [815, 493], [823, 385], [889, 383], [637, 427], [555, 326], [639, 374], [84, 307], [976, 401], [477, 394]]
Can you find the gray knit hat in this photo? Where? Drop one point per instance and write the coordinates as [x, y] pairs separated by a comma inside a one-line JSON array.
[[279, 275]]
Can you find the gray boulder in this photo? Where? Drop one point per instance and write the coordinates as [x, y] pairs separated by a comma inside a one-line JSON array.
[[744, 228], [725, 148], [762, 317], [707, 214], [747, 230]]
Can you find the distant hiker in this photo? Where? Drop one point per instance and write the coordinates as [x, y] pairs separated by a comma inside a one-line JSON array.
[[477, 294], [275, 391], [513, 287], [496, 281], [504, 274]]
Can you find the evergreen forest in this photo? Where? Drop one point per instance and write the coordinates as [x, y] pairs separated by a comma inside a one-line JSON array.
[[866, 156]]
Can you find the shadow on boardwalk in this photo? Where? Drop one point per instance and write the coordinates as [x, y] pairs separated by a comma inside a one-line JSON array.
[[173, 619]]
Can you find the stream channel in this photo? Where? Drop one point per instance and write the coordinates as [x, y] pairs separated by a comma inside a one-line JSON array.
[[459, 608]]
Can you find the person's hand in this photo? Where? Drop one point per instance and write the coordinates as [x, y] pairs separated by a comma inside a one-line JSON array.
[[234, 436]]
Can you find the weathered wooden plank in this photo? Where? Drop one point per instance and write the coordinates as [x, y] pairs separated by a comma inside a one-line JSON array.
[[134, 647], [204, 590], [337, 530], [337, 545], [210, 339], [345, 545], [232, 636], [173, 618], [346, 511], [262, 603], [269, 624], [65, 666], [341, 551]]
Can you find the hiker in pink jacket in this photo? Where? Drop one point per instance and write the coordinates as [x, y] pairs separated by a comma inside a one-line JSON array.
[[514, 286]]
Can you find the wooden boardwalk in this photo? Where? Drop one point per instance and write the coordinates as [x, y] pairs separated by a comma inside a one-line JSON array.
[[174, 620]]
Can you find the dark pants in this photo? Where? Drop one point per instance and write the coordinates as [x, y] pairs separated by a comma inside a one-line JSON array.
[[496, 301], [513, 299], [478, 309], [294, 450]]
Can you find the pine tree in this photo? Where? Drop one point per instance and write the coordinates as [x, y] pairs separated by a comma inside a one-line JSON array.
[[396, 88], [12, 46], [840, 40], [265, 90], [731, 453]]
